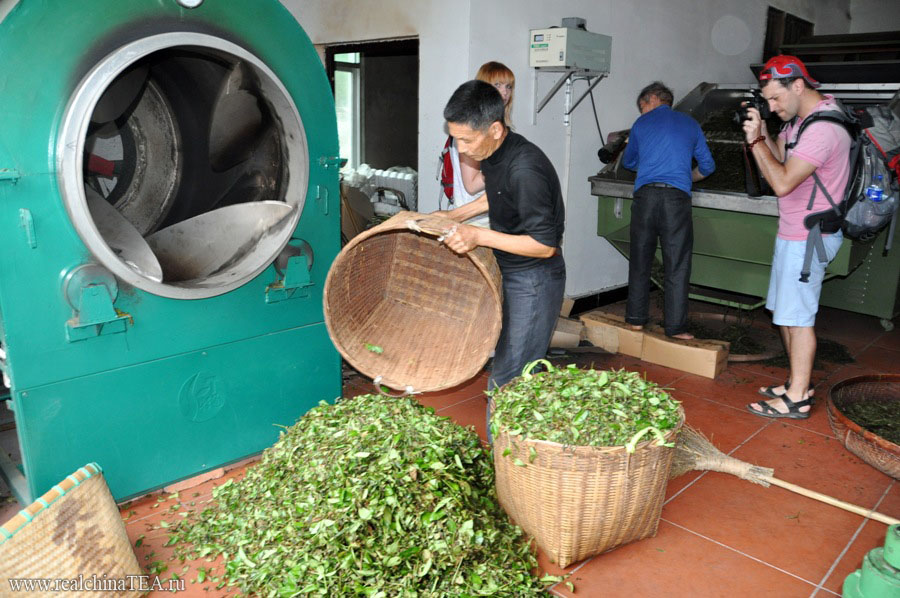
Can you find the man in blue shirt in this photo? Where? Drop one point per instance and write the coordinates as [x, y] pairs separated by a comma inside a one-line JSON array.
[[660, 148]]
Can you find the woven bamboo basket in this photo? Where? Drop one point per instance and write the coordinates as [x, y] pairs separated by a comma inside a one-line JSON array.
[[407, 311], [73, 533], [875, 450], [579, 501]]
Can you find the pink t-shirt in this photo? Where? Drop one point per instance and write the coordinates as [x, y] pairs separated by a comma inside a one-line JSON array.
[[826, 146]]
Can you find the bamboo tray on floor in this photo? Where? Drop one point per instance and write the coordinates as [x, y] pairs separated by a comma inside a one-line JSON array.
[[73, 533]]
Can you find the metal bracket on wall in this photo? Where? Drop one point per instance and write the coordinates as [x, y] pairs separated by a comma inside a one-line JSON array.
[[568, 76]]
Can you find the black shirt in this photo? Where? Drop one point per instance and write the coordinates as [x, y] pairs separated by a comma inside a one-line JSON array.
[[524, 197]]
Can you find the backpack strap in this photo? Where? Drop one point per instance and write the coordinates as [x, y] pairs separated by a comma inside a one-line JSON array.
[[828, 221], [445, 172], [813, 243], [840, 117]]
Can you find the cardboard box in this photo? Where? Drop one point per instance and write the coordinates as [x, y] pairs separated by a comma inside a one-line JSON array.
[[698, 356], [611, 333], [567, 334]]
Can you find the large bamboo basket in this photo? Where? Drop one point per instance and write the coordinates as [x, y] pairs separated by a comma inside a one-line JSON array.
[[875, 450], [408, 312], [74, 533], [579, 501]]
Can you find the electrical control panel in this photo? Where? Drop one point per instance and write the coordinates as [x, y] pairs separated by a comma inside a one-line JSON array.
[[565, 48]]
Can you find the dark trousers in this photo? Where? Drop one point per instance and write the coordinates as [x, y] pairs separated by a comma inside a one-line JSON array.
[[664, 214], [532, 299]]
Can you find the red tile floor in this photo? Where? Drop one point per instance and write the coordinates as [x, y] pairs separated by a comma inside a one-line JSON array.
[[719, 535]]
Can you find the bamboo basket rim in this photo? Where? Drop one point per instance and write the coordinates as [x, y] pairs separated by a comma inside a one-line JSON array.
[[867, 435], [388, 226], [21, 520]]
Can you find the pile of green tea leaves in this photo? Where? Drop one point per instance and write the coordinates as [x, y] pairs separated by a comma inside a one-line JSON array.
[[372, 496], [573, 406]]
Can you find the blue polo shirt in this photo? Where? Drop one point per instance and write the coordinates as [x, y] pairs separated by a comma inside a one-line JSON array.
[[661, 145]]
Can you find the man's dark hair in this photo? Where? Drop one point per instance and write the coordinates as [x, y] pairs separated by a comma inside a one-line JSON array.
[[475, 104], [658, 89], [785, 82]]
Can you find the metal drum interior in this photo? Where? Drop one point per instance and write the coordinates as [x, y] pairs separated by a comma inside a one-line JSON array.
[[191, 165]]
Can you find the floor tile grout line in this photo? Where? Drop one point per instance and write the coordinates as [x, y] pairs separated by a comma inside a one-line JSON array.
[[457, 403], [853, 538], [742, 553], [686, 486], [572, 572]]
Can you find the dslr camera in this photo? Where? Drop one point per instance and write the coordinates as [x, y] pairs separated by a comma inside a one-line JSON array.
[[756, 101]]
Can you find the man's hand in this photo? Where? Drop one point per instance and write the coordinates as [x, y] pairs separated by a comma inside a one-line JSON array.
[[753, 126], [464, 239]]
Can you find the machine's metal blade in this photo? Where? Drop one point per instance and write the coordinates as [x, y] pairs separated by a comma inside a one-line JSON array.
[[122, 237], [236, 121], [120, 95], [226, 242]]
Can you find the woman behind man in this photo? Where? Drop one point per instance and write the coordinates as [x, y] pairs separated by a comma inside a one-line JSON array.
[[468, 181]]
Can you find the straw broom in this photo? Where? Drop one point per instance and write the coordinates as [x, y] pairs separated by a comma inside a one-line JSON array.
[[694, 452]]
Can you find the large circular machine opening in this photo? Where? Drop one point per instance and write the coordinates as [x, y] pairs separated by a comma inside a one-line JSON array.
[[190, 165]]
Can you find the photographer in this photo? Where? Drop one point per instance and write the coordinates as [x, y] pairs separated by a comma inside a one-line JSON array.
[[660, 148], [822, 152]]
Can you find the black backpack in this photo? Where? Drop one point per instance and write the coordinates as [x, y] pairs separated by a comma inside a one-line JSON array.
[[874, 150]]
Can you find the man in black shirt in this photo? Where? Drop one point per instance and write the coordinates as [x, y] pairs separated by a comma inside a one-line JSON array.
[[525, 205]]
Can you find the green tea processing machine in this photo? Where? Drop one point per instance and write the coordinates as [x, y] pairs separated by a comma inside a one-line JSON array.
[[168, 212], [879, 576], [735, 223]]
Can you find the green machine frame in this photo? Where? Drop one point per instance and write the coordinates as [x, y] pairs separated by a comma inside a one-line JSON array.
[[734, 236], [152, 382]]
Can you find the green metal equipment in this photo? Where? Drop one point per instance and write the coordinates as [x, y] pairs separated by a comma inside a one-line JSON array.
[[879, 576], [734, 233], [168, 213]]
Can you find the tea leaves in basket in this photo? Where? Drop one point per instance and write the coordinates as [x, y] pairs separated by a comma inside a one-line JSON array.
[[572, 406]]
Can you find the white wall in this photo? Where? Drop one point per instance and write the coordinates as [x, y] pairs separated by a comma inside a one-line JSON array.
[[443, 32], [874, 15], [681, 42]]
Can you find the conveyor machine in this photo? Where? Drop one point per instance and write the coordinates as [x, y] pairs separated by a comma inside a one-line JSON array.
[[168, 212]]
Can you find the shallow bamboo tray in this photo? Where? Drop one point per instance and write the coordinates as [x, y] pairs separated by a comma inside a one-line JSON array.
[[878, 452]]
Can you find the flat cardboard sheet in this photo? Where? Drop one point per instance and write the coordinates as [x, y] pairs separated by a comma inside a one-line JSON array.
[[611, 333], [698, 356], [568, 333]]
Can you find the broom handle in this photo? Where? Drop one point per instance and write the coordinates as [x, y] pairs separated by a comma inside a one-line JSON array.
[[832, 501]]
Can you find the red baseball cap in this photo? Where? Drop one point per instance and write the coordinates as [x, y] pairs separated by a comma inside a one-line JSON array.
[[784, 67]]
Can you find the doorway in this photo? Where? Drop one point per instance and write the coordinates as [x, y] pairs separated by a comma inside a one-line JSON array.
[[376, 87]]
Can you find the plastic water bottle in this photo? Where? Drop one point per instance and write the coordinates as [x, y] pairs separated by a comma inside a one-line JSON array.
[[875, 192]]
